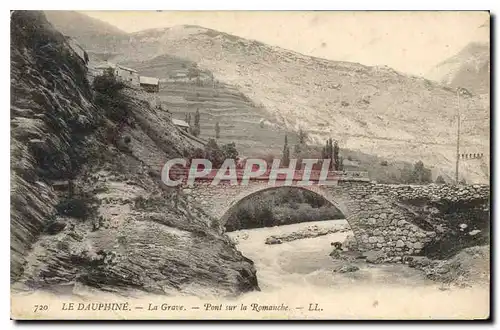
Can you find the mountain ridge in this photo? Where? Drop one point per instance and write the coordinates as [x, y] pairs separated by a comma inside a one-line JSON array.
[[374, 109]]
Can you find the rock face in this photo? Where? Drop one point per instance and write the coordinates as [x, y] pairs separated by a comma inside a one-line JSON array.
[[50, 108], [111, 224], [469, 266]]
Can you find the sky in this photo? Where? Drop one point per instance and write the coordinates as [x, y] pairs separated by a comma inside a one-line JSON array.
[[410, 42]]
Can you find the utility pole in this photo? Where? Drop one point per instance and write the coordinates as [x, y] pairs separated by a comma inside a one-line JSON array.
[[458, 135], [464, 92]]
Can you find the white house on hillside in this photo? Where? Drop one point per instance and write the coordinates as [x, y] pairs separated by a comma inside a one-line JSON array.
[[150, 84], [181, 124]]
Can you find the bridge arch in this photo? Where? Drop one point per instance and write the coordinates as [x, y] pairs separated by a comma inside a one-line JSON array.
[[238, 199], [336, 199]]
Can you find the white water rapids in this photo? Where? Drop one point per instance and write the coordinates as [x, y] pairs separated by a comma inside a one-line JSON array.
[[303, 269]]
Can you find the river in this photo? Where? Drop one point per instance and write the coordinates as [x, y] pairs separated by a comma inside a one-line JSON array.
[[302, 270], [296, 275]]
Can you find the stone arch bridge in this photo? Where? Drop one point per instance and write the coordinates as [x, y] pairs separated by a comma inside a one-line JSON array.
[[383, 217]]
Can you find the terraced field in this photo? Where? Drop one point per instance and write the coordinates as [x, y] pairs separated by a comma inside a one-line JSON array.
[[241, 120]]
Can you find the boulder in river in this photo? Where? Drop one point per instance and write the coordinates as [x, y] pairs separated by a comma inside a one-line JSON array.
[[347, 268], [273, 240]]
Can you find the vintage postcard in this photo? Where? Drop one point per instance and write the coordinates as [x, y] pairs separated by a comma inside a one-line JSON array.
[[257, 165]]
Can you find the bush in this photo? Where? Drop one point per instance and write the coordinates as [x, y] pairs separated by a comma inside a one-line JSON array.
[[107, 83], [80, 208], [384, 163], [108, 96], [217, 155], [229, 150], [440, 180], [416, 174], [421, 174]]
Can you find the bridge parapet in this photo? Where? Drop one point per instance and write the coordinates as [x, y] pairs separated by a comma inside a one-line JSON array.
[[314, 176]]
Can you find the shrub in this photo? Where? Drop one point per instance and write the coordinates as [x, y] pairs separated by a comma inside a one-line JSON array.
[[214, 153], [229, 150], [107, 83], [440, 180], [108, 96], [384, 163], [80, 208], [421, 174]]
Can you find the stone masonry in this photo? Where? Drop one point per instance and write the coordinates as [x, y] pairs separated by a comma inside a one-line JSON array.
[[376, 213]]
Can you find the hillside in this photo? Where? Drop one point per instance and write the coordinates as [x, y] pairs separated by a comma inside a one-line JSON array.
[[87, 204], [372, 109], [241, 120], [375, 110]]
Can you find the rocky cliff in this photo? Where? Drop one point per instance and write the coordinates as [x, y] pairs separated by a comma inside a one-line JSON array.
[[50, 111], [87, 204]]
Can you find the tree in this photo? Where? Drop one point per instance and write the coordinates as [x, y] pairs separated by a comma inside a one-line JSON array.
[[193, 71], [229, 150], [327, 152], [302, 136], [286, 153], [108, 96], [329, 148], [214, 153], [440, 180], [217, 130], [188, 121], [421, 174], [297, 149], [196, 128], [198, 81], [336, 158]]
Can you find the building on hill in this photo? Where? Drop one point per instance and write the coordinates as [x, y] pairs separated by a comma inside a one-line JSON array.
[[122, 73], [150, 84], [181, 124], [180, 75]]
